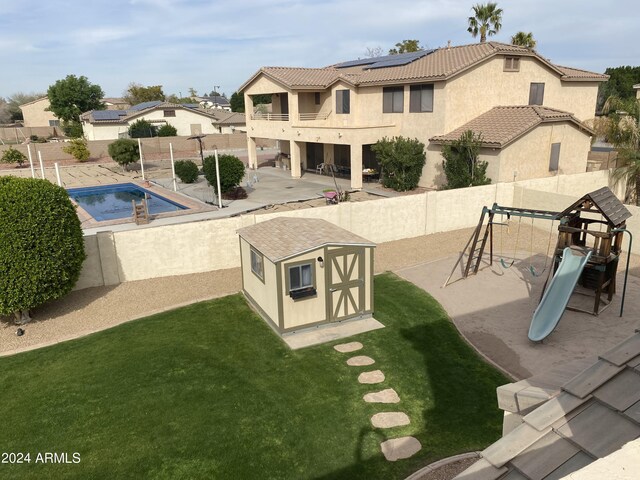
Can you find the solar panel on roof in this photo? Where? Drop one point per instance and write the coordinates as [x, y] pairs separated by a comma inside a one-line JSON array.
[[145, 105], [107, 114], [355, 63], [399, 60]]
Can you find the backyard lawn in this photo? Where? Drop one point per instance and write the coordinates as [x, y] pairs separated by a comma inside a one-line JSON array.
[[209, 391]]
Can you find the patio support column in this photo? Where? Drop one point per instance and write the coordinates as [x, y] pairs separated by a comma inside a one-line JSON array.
[[328, 153], [297, 150], [252, 152], [356, 166]]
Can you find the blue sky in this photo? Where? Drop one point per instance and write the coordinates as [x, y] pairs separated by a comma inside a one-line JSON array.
[[202, 44]]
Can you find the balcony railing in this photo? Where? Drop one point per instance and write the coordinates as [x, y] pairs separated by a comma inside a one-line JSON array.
[[273, 117], [314, 116]]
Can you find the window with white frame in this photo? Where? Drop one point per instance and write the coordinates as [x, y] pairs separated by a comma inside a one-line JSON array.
[[393, 100], [257, 264], [421, 98], [300, 276]]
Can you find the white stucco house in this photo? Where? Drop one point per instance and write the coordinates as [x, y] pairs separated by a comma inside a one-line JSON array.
[[188, 119]]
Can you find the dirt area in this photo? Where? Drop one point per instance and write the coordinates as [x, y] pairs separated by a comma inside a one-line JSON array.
[[448, 471]]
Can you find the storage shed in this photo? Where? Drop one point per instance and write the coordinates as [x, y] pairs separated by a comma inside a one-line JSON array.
[[302, 272]]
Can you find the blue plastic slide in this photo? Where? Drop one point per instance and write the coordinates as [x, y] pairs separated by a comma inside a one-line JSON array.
[[556, 298]]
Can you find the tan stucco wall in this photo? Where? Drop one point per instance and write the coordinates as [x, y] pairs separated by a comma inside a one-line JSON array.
[[103, 132], [35, 115], [213, 244], [305, 310], [265, 294]]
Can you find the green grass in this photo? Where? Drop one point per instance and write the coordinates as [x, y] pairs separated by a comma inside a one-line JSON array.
[[209, 391]]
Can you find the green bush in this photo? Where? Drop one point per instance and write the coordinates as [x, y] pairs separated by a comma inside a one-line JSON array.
[[78, 149], [72, 129], [167, 131], [124, 151], [142, 129], [186, 171], [461, 165], [231, 172], [402, 160], [41, 244], [13, 156]]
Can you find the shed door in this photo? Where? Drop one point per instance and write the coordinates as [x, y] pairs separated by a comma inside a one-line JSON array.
[[345, 278]]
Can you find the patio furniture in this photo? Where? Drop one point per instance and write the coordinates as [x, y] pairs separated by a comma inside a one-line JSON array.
[[320, 169]]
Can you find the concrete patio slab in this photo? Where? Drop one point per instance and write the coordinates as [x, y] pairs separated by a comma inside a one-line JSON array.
[[330, 332]]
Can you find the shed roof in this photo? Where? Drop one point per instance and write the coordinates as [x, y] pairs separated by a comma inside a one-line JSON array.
[[596, 413], [606, 203], [284, 237], [502, 125]]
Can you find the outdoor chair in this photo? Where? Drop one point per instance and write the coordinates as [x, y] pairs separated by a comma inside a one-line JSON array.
[[320, 169]]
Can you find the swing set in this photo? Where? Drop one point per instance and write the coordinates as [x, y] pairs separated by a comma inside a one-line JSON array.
[[483, 234]]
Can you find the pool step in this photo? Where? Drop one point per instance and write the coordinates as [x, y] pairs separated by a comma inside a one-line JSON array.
[[140, 212]]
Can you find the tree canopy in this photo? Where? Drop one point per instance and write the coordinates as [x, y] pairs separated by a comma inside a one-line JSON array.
[[137, 93], [620, 84], [237, 101], [142, 129], [524, 39], [41, 244], [72, 96], [10, 107], [486, 20], [406, 46]]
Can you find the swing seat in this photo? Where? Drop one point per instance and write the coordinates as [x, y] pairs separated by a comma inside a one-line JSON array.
[[504, 264]]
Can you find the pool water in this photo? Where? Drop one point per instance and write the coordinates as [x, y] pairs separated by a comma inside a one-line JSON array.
[[112, 202]]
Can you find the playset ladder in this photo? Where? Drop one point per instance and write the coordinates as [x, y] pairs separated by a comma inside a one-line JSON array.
[[140, 212]]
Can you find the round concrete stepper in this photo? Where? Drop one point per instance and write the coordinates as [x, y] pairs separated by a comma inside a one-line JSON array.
[[348, 347], [360, 361], [390, 419], [388, 395], [399, 448], [375, 376]]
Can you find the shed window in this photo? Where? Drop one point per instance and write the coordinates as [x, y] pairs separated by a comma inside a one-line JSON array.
[[257, 264], [421, 98], [300, 277], [393, 100], [169, 113], [343, 104], [536, 94], [512, 64], [554, 161]]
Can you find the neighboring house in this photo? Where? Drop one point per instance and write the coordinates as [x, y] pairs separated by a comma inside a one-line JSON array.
[[188, 119], [113, 103], [36, 114], [334, 114], [581, 419], [214, 101], [230, 122]]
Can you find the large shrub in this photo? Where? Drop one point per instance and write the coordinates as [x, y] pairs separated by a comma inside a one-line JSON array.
[[461, 164], [231, 172], [124, 151], [13, 156], [41, 244], [167, 131], [402, 160], [78, 149], [186, 171], [142, 129]]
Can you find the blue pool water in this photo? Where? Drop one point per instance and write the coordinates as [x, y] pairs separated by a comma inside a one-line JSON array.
[[111, 202]]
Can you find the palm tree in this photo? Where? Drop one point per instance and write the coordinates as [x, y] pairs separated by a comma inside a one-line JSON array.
[[486, 20], [621, 128], [523, 39]]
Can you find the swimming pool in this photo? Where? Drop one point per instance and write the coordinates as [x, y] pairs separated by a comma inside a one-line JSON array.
[[112, 202]]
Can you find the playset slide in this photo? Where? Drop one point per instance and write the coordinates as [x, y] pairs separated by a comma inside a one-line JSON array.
[[556, 298]]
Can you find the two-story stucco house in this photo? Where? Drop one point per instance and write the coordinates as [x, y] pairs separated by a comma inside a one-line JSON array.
[[37, 114], [334, 114]]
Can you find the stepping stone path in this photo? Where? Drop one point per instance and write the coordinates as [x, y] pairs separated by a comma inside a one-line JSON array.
[[360, 361], [348, 347], [399, 448], [384, 396], [375, 376], [395, 448], [390, 419]]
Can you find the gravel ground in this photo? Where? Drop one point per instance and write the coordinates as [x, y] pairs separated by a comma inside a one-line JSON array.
[[94, 309], [448, 471]]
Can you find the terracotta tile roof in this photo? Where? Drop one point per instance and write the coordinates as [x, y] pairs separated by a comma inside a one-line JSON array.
[[502, 125], [596, 414], [229, 118], [284, 237], [441, 64], [605, 201]]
